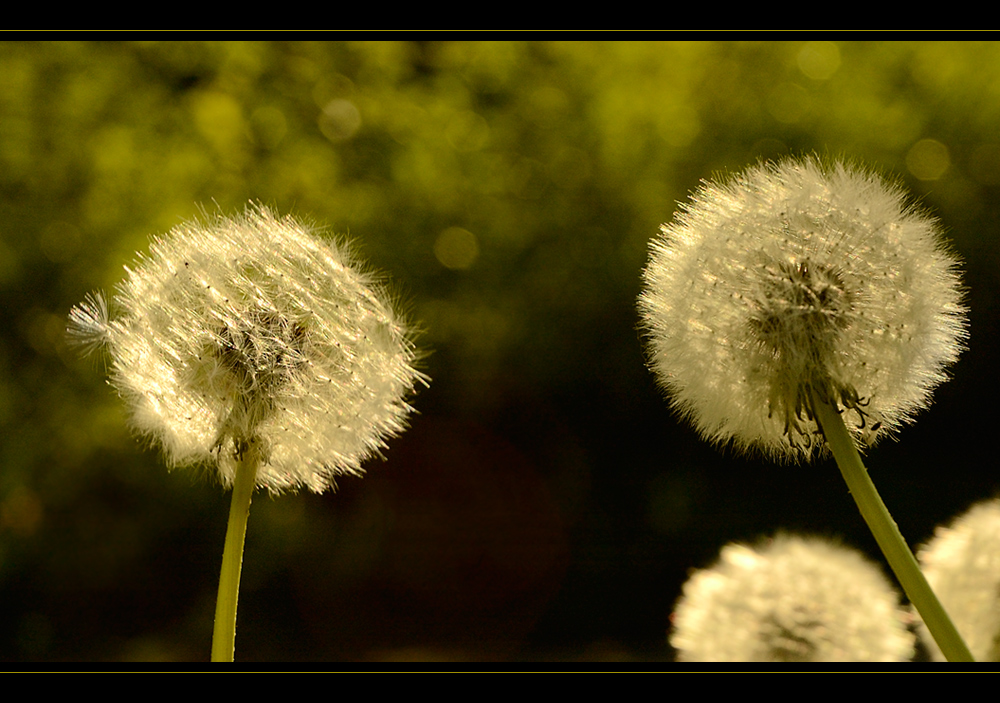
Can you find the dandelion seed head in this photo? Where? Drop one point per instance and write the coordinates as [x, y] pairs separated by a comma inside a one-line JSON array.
[[795, 275], [253, 330], [962, 564], [792, 599]]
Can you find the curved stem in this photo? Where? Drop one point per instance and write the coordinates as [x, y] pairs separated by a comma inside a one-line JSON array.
[[886, 533], [224, 635]]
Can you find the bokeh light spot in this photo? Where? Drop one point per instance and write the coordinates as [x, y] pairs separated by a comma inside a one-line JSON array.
[[928, 160], [339, 120], [819, 59], [456, 248]]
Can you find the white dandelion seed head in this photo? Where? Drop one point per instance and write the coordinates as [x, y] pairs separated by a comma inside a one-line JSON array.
[[793, 599], [794, 275], [253, 330], [962, 564]]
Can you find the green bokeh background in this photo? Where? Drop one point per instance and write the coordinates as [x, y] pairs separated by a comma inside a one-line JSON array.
[[545, 504]]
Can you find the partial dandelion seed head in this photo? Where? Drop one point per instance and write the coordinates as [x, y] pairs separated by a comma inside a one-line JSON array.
[[792, 599], [962, 564], [794, 276], [252, 330]]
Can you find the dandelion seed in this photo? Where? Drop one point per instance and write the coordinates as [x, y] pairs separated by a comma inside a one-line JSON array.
[[793, 599], [252, 331], [962, 564], [794, 276], [89, 323]]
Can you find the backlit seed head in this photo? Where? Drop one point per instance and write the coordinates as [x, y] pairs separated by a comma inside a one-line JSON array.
[[962, 565], [791, 599], [794, 276], [252, 330]]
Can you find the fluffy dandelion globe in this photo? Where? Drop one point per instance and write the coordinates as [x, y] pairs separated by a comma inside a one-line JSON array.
[[250, 345], [962, 564], [793, 599], [794, 277], [252, 333]]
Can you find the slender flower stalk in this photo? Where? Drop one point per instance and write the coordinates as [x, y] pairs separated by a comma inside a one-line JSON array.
[[796, 295], [886, 532], [790, 599], [224, 634], [250, 346]]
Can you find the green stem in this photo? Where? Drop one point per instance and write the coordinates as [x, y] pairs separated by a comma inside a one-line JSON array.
[[886, 533], [224, 636]]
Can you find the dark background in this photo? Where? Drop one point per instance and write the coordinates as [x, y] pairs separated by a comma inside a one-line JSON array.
[[545, 504]]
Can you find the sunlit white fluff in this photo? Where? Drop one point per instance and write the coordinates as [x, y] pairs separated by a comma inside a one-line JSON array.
[[962, 565], [791, 599], [793, 276], [253, 330]]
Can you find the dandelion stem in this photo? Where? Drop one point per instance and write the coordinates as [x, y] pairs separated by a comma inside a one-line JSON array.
[[886, 533], [224, 636]]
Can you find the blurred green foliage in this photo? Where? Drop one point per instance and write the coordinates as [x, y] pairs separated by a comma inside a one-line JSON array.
[[545, 504]]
